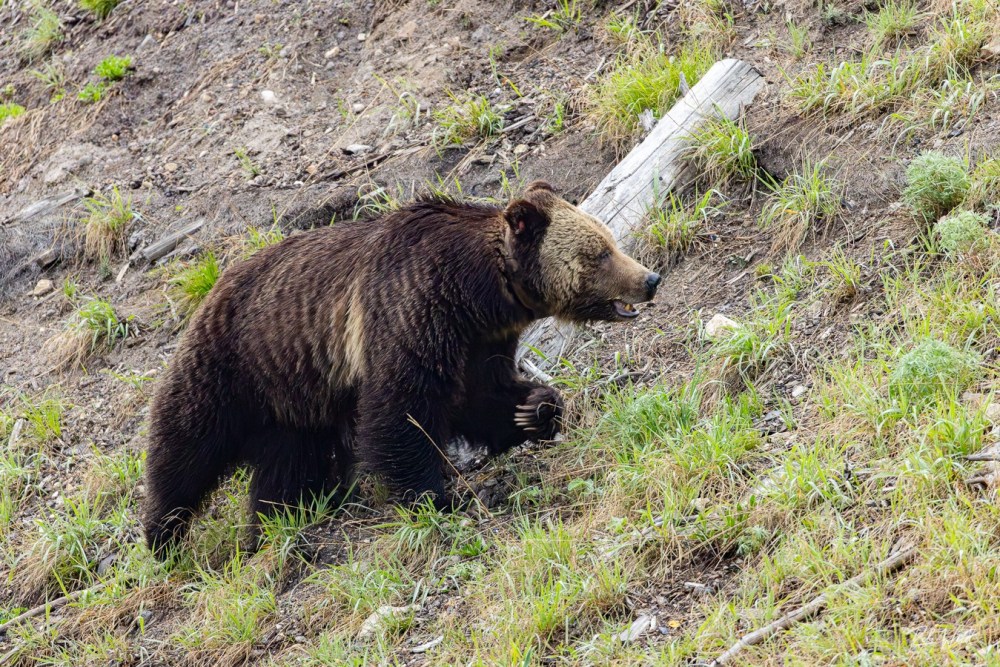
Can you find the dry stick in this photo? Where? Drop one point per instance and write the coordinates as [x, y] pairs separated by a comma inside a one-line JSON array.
[[49, 607], [815, 606]]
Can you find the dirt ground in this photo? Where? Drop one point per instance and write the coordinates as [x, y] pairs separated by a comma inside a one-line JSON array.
[[333, 100]]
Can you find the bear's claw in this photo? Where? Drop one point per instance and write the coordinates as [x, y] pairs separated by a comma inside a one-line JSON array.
[[541, 413]]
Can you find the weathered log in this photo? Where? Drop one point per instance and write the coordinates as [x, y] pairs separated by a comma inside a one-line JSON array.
[[160, 248], [650, 170]]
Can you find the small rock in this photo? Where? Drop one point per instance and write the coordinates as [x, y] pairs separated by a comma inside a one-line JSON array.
[[357, 107], [362, 36], [147, 41], [170, 167], [269, 97], [47, 258], [639, 627], [798, 390], [718, 324], [332, 53], [144, 617], [105, 564], [312, 169], [696, 588], [385, 611], [357, 149], [42, 287], [406, 32], [520, 149]]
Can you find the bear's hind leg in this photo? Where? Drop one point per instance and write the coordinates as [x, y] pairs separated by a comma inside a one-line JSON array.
[[291, 468]]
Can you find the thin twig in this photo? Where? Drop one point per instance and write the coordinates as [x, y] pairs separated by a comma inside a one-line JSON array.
[[815, 606], [49, 607], [982, 457]]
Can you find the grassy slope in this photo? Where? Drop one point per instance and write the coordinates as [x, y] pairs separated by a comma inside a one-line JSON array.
[[655, 487]]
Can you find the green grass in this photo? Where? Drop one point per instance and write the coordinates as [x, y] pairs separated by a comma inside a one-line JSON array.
[[92, 92], [799, 43], [94, 328], [99, 8], [469, 118], [802, 202], [723, 150], [53, 76], [930, 368], [566, 15], [250, 168], [984, 185], [105, 225], [44, 33], [645, 78], [893, 21], [191, 283], [674, 227], [10, 110], [935, 183], [113, 68]]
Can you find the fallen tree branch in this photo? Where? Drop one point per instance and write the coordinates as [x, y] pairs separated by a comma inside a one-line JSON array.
[[815, 606], [49, 607]]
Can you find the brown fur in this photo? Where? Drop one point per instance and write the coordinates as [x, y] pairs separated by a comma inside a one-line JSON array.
[[370, 340]]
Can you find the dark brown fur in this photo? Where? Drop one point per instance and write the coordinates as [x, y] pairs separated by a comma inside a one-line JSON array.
[[369, 341]]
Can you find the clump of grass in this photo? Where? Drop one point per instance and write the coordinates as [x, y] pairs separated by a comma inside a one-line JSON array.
[[566, 15], [802, 201], [10, 110], [53, 76], [871, 84], [962, 233], [723, 150], [45, 32], [113, 68], [622, 28], [892, 22], [94, 328], [845, 274], [192, 283], [956, 45], [99, 8], [646, 79], [984, 185], [798, 40], [258, 239], [673, 228], [932, 366], [466, 119], [104, 227], [935, 183], [44, 417], [250, 168]]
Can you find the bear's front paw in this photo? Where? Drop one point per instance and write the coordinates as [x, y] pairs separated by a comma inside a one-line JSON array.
[[541, 414]]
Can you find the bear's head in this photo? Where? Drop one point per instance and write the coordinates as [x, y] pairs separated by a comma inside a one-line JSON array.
[[565, 263]]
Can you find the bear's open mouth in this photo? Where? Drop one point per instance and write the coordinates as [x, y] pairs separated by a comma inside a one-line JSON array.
[[626, 310]]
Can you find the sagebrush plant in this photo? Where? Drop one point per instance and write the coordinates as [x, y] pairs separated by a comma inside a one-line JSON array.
[[893, 21], [805, 200], [99, 8], [647, 78], [723, 149], [113, 68], [190, 283], [962, 233], [935, 184], [932, 368], [470, 118], [43, 34], [104, 227]]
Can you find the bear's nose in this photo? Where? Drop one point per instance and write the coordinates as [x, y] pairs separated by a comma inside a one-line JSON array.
[[652, 280]]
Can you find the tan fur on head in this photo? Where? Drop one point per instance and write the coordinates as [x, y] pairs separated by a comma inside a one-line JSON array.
[[579, 258]]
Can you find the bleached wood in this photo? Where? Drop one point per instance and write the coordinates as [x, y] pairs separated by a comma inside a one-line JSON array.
[[650, 170]]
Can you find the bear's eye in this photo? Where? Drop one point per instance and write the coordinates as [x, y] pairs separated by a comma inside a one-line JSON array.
[[605, 255]]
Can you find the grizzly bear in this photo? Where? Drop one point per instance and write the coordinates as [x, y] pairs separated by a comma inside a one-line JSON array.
[[373, 344]]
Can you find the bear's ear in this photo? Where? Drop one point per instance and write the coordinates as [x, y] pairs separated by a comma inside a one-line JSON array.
[[539, 185], [526, 220]]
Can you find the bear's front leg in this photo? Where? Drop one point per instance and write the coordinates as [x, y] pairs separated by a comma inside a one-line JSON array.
[[510, 413], [398, 439]]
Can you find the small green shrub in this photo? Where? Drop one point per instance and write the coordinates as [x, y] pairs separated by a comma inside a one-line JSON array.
[[962, 232], [935, 184], [193, 283], [99, 8], [113, 68], [723, 149], [931, 367], [10, 110], [92, 92], [799, 203]]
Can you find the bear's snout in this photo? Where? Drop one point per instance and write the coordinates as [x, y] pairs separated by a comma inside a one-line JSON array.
[[652, 282]]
